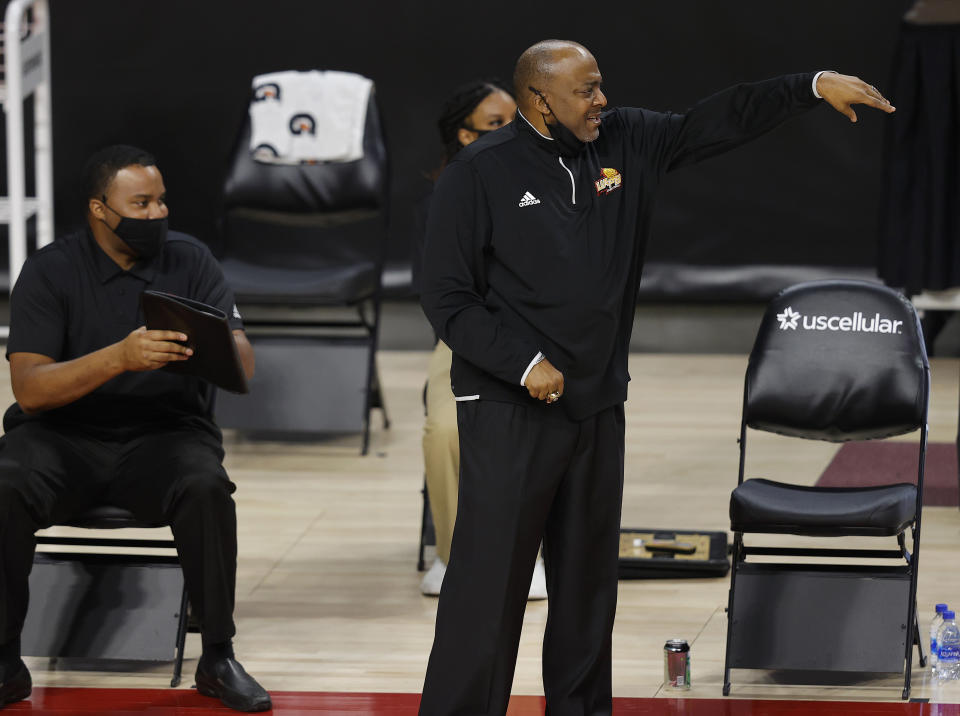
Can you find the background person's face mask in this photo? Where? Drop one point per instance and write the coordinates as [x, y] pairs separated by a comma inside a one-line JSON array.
[[145, 237], [478, 132]]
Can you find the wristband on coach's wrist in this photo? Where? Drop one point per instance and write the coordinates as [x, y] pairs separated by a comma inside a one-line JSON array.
[[538, 358], [817, 77]]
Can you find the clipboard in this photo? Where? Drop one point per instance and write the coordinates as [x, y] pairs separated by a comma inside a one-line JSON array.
[[215, 357]]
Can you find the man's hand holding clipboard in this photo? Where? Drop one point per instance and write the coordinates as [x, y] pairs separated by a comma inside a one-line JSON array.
[[214, 352]]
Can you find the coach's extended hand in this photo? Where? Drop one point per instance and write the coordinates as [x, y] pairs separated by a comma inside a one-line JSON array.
[[844, 91]]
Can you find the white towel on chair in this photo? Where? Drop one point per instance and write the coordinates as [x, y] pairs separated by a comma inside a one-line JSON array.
[[315, 116]]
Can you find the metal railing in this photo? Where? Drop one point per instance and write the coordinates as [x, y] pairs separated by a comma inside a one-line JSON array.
[[26, 71]]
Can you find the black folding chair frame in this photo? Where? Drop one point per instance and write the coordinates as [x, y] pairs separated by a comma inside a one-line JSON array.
[[138, 544], [911, 559]]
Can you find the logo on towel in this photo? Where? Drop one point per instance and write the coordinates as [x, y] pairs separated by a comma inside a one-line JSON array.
[[264, 92], [529, 200], [855, 323], [610, 180], [265, 152], [300, 123]]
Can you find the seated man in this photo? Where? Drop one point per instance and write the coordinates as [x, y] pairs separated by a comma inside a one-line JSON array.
[[95, 422]]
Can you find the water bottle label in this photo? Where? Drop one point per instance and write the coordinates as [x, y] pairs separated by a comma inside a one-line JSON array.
[[949, 653], [933, 645]]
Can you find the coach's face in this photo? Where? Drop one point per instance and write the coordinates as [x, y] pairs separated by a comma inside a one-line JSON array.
[[135, 192], [574, 94], [134, 209]]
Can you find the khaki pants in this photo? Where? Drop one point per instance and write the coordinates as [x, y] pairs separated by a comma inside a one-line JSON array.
[[441, 448]]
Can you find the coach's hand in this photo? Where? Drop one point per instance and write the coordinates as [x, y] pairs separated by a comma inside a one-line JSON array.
[[844, 91], [544, 380], [148, 350]]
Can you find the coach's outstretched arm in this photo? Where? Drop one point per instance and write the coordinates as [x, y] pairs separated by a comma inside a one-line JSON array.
[[739, 114]]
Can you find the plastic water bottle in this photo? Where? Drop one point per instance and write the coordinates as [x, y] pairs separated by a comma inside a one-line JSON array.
[[935, 625], [948, 653]]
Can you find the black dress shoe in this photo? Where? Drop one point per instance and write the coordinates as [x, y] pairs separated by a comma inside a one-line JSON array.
[[16, 684], [226, 680]]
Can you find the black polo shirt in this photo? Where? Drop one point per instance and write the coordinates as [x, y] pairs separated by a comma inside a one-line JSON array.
[[72, 299]]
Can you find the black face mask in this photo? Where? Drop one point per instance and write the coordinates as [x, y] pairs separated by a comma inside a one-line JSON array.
[[144, 236], [478, 132], [568, 143]]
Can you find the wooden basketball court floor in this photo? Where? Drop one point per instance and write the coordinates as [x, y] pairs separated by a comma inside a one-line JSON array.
[[329, 612]]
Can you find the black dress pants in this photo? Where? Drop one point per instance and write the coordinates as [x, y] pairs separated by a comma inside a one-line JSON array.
[[171, 475], [529, 473]]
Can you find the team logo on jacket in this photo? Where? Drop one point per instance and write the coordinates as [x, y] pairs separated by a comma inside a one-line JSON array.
[[300, 123], [610, 180]]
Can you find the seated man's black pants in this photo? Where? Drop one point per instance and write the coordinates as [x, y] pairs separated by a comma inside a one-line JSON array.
[[170, 475]]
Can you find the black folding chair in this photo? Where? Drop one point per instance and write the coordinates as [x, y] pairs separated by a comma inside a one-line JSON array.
[[836, 361], [303, 247], [92, 592]]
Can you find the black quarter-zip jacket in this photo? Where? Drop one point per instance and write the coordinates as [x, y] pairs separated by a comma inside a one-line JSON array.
[[529, 251]]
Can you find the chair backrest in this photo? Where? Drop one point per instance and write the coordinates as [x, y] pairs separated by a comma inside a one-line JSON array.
[[327, 218], [321, 188], [838, 360]]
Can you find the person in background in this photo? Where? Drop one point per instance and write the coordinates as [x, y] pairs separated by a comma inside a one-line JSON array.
[[918, 236], [473, 110]]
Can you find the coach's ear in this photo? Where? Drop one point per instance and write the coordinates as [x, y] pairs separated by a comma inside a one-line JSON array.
[[540, 102], [96, 209]]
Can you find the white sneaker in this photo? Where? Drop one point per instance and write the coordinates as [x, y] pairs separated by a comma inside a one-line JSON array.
[[538, 585], [433, 579]]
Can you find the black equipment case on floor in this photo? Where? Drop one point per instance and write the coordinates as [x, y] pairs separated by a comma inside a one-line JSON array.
[[672, 554]]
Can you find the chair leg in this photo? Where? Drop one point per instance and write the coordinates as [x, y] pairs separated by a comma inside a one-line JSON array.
[[912, 626], [374, 400], [374, 394], [365, 445], [913, 620], [423, 525], [734, 559], [958, 453], [378, 400], [918, 640], [181, 640]]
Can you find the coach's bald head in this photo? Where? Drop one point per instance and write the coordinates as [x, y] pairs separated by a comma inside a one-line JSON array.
[[559, 81]]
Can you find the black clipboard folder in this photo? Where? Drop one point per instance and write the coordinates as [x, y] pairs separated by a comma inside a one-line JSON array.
[[215, 357]]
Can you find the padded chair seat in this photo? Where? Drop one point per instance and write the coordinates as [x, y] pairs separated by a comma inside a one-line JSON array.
[[774, 507], [334, 285], [107, 518]]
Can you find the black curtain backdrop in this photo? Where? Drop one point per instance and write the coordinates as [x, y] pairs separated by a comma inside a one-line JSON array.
[[174, 76]]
